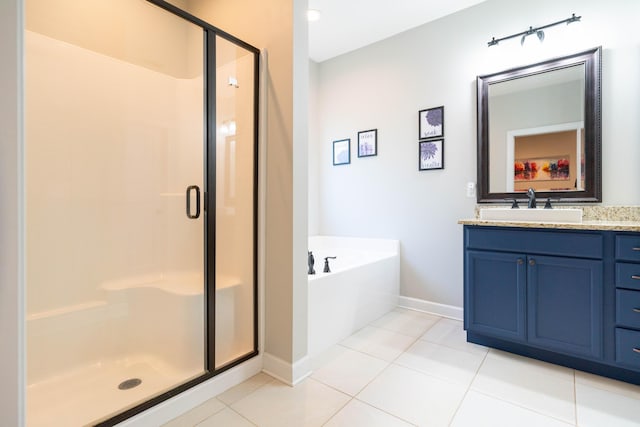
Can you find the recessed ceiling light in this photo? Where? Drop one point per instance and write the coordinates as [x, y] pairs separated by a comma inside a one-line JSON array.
[[313, 15]]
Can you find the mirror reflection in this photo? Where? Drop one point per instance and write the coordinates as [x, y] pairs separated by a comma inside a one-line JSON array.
[[539, 127], [535, 128]]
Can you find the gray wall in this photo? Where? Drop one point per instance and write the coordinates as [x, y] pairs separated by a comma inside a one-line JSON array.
[[11, 219], [384, 85]]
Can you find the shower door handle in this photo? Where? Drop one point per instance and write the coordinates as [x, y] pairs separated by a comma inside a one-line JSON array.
[[197, 214]]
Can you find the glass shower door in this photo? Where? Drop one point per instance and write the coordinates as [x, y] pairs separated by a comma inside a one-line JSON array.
[[115, 222], [235, 201]]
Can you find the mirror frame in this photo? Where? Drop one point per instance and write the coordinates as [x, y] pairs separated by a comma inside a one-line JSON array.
[[592, 127]]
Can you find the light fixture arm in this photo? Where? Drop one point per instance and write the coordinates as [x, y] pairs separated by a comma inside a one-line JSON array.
[[494, 41]]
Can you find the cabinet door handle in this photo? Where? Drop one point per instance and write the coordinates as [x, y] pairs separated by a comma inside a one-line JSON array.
[[635, 277], [532, 262], [636, 350], [636, 310], [635, 249], [520, 261]]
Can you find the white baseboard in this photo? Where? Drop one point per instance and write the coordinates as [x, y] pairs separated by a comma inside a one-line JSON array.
[[450, 311], [284, 371], [184, 402]]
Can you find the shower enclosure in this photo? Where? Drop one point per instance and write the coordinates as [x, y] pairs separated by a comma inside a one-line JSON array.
[[141, 194]]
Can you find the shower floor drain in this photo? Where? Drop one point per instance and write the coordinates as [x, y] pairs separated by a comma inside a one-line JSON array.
[[130, 383]]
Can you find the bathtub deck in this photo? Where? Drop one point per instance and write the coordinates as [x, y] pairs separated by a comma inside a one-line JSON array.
[[86, 394]]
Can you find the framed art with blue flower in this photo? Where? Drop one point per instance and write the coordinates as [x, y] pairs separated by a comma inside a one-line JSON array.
[[342, 152], [368, 143], [431, 123], [431, 155]]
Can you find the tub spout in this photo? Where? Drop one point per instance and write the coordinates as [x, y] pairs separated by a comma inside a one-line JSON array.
[[326, 264], [310, 261]]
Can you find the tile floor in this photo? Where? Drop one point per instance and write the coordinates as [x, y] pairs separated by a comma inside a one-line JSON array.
[[414, 369]]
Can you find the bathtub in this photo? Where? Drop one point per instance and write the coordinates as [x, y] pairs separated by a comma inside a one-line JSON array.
[[364, 284]]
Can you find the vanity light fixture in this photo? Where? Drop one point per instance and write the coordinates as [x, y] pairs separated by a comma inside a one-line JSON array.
[[537, 31], [531, 32]]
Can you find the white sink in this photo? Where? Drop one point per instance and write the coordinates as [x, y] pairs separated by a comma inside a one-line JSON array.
[[535, 215]]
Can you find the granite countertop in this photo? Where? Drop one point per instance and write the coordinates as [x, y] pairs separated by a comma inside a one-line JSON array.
[[612, 218], [584, 225]]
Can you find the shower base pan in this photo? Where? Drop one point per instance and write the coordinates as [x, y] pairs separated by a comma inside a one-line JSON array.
[[90, 393]]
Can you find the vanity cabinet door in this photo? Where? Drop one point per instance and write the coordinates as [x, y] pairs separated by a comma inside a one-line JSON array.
[[564, 304], [495, 294]]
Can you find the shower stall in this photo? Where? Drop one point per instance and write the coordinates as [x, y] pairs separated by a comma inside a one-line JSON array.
[[141, 198]]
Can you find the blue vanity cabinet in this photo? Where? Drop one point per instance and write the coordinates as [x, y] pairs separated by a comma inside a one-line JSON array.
[[541, 288], [496, 300], [570, 297], [627, 280], [565, 305]]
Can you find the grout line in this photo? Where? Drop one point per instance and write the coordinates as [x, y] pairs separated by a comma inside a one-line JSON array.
[[468, 388], [251, 392], [389, 364], [535, 411], [242, 416], [386, 412], [339, 409]]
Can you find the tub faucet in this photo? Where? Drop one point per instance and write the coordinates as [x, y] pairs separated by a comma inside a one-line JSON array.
[[310, 261], [532, 198], [326, 264]]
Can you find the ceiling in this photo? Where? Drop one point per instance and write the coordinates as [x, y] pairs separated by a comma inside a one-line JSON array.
[[347, 25]]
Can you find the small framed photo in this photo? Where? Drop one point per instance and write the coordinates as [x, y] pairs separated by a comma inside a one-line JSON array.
[[342, 152], [368, 143], [431, 123], [431, 155]]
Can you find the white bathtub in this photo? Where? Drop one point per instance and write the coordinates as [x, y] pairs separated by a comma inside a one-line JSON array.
[[363, 285]]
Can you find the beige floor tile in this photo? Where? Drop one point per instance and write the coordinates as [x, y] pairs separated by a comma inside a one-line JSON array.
[[408, 322], [359, 414], [236, 393], [380, 343], [479, 410], [347, 370], [443, 362], [226, 418], [417, 398], [625, 389], [275, 404], [197, 414], [597, 408], [452, 334], [541, 387]]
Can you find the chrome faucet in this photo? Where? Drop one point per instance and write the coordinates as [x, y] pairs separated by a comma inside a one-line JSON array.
[[532, 198]]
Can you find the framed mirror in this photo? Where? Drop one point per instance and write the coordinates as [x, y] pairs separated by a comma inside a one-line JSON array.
[[539, 126]]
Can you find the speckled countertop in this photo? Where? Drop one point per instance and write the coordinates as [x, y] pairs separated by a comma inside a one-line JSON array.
[[613, 218]]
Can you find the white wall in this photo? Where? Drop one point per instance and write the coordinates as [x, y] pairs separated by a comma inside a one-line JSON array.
[[384, 85], [314, 150]]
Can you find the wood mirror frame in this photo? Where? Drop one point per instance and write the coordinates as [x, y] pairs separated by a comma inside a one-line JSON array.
[[592, 192]]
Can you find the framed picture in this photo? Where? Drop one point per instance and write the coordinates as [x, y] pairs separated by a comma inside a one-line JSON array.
[[368, 143], [342, 152], [431, 155], [542, 169], [431, 123]]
